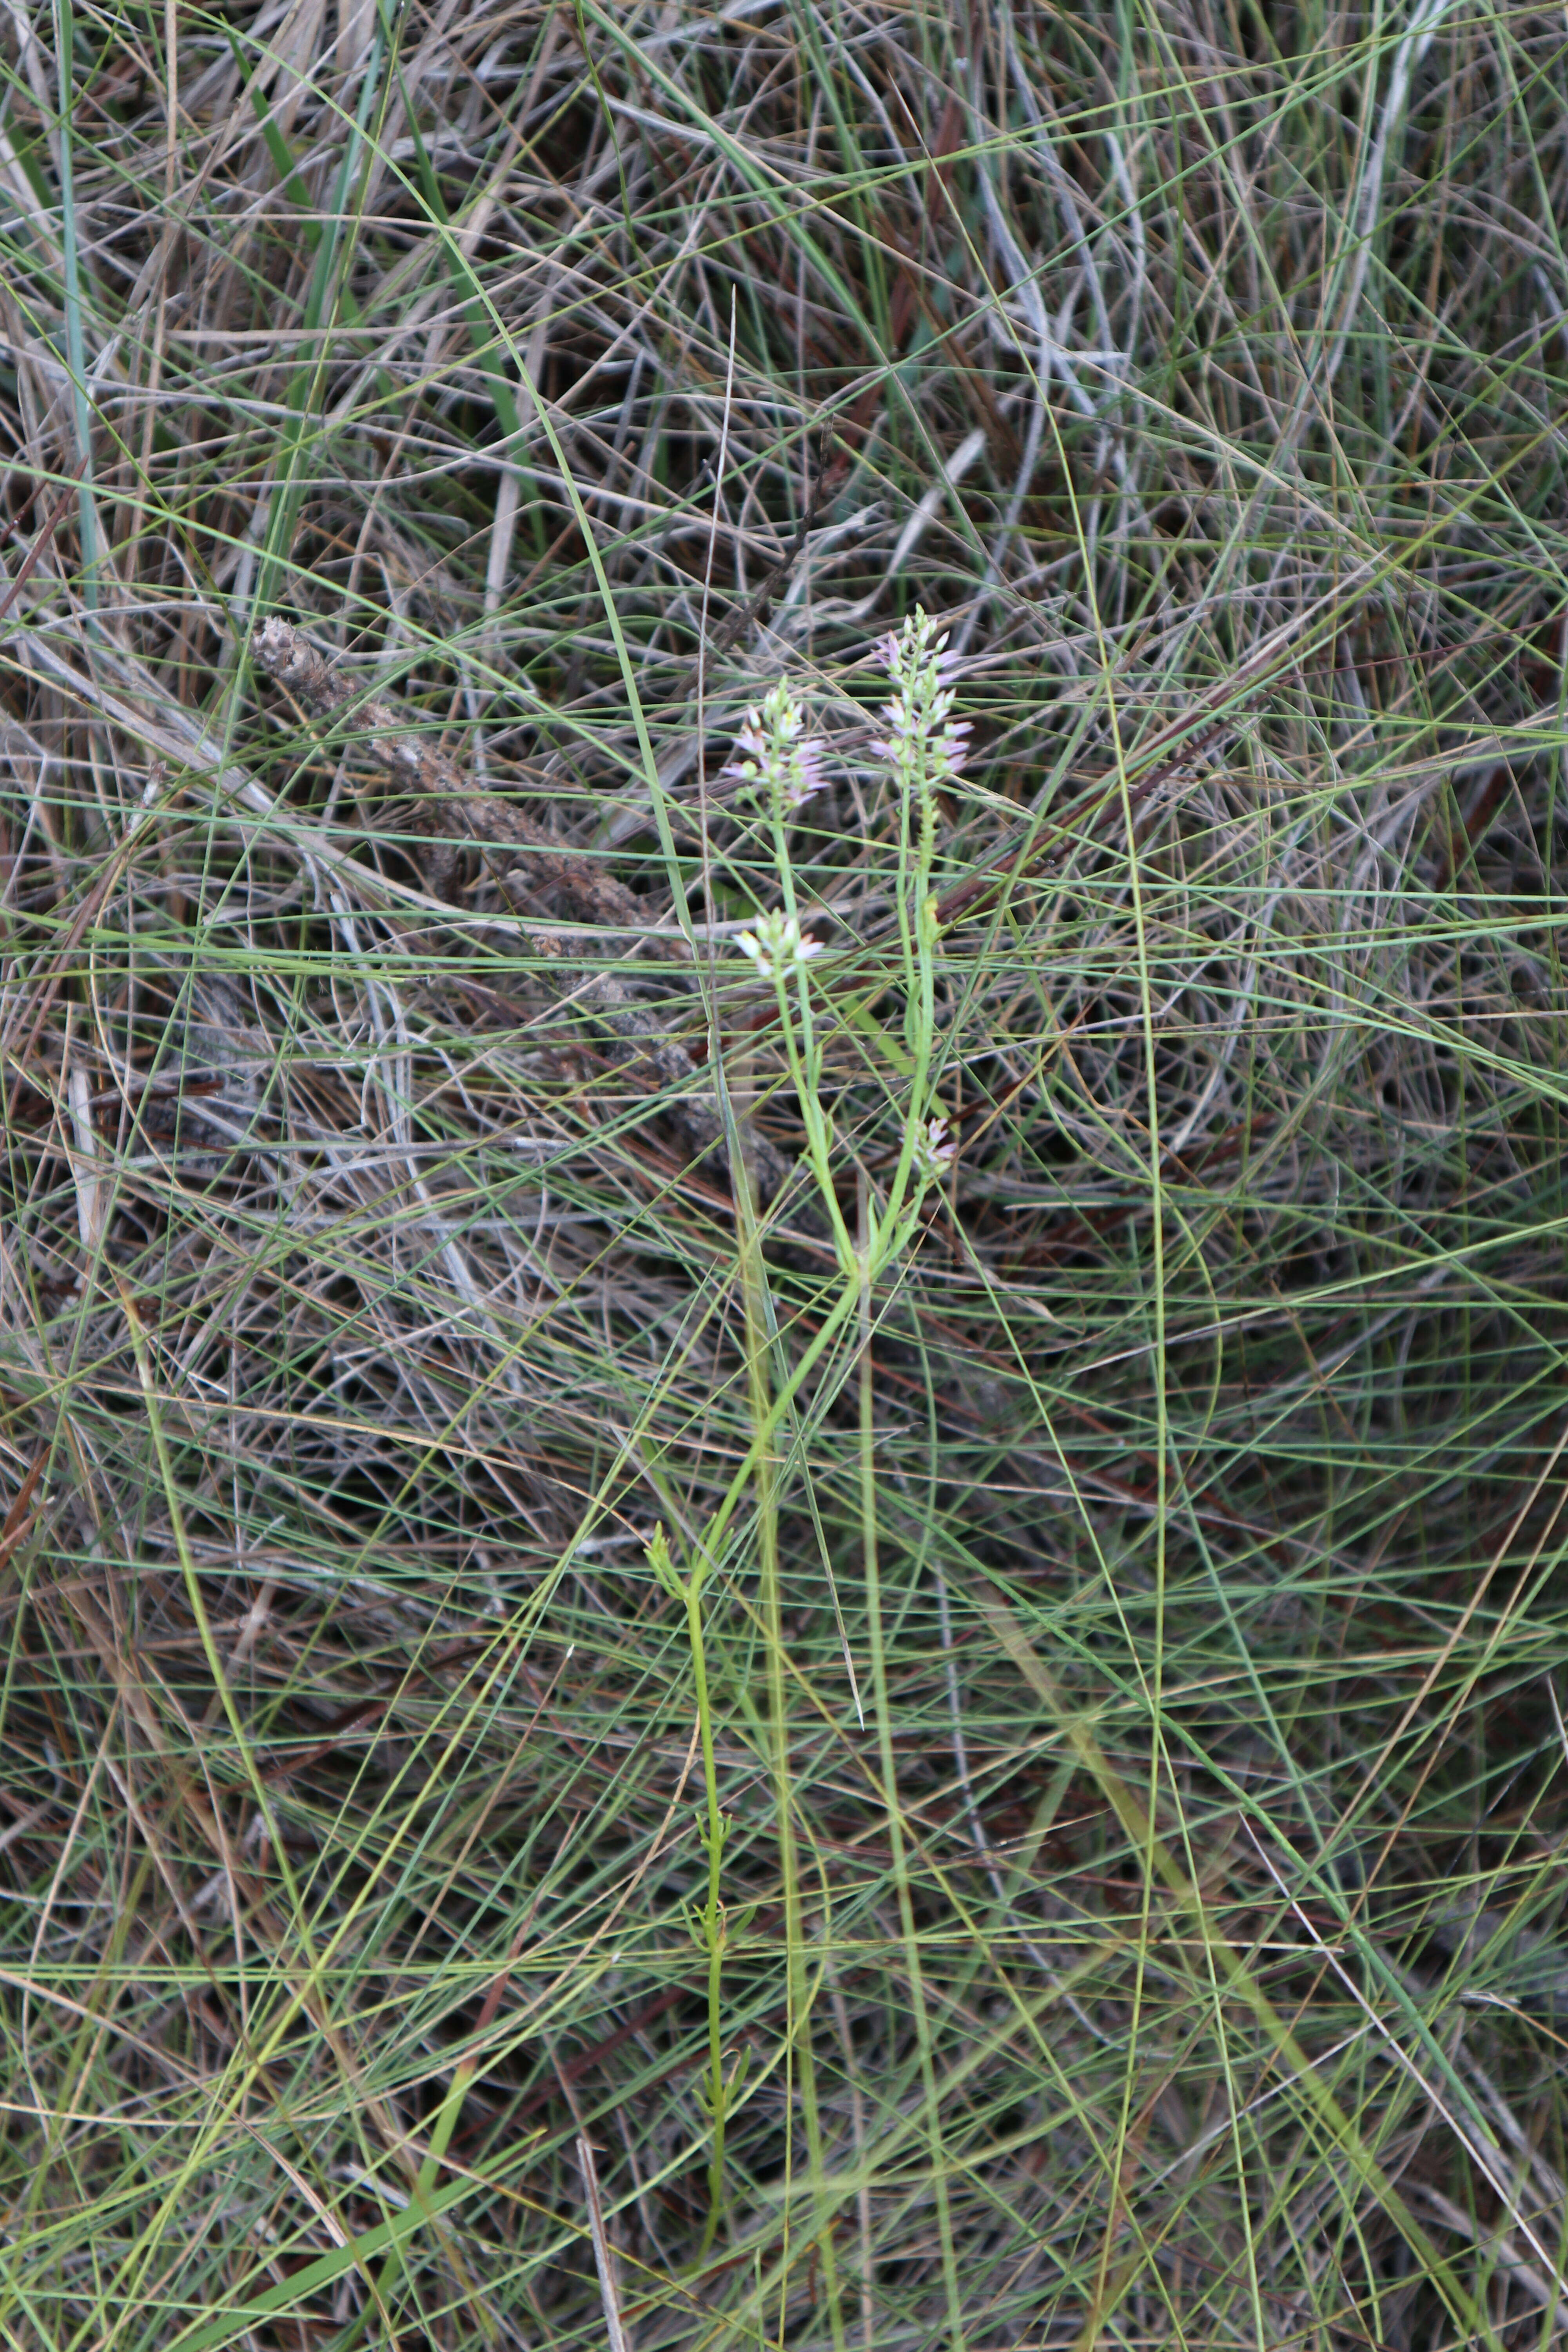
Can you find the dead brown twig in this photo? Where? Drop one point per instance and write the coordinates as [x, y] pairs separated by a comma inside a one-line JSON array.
[[34, 556]]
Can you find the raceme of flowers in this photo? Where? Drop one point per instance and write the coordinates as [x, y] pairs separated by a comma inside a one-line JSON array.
[[774, 753], [933, 1154], [777, 945], [924, 745]]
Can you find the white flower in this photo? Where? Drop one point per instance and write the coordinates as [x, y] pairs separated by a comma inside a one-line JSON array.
[[777, 945], [773, 751]]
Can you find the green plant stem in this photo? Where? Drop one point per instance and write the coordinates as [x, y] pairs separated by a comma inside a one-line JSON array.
[[887, 1762], [708, 1927], [713, 1914], [797, 2030]]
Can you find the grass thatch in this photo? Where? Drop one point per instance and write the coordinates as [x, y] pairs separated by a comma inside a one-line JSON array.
[[1174, 1953]]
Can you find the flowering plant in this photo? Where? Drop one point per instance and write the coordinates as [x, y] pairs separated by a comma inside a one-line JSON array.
[[925, 748]]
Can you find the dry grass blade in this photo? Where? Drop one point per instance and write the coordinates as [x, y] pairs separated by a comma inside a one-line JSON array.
[[604, 2256]]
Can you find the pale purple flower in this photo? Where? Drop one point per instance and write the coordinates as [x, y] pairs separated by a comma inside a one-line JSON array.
[[773, 752], [750, 745], [925, 745], [934, 1155], [915, 648]]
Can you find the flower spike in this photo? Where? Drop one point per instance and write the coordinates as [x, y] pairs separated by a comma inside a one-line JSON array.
[[777, 945], [773, 752], [925, 745]]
